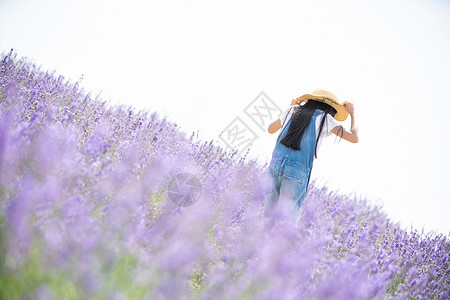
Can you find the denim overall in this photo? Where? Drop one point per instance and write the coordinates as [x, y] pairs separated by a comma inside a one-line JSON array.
[[290, 171]]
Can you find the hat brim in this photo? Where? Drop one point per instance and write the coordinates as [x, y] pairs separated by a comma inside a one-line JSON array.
[[341, 112]]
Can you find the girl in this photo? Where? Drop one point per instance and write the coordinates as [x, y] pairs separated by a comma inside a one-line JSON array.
[[302, 129]]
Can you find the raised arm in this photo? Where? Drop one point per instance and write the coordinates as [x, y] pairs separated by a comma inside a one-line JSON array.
[[352, 135], [276, 125]]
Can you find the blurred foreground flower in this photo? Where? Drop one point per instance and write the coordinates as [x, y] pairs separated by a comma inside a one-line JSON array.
[[86, 213]]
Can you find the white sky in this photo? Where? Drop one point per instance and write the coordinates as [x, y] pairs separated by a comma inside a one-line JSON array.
[[200, 63]]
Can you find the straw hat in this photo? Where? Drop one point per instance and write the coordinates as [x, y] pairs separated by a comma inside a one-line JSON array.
[[328, 98]]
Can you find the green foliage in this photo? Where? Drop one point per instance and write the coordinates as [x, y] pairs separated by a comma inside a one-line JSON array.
[[17, 283]]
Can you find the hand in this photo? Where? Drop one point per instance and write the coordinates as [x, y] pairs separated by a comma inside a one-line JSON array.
[[297, 102], [349, 107]]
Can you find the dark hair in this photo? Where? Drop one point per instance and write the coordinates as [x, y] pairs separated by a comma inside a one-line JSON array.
[[300, 121]]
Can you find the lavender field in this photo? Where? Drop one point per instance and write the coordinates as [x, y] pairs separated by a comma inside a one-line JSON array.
[[86, 213]]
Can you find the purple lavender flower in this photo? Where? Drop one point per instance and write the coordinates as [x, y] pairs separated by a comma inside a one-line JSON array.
[[84, 196]]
